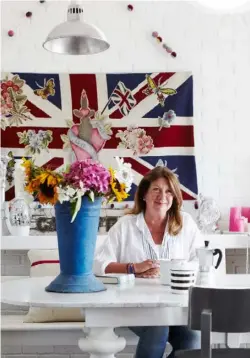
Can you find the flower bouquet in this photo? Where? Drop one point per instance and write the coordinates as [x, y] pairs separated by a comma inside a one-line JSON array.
[[77, 193]]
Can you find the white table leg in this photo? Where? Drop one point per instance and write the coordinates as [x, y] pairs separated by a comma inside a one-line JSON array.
[[102, 343]]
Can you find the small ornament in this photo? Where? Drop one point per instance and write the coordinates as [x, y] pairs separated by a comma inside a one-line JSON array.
[[159, 38], [130, 7], [112, 206], [11, 33], [167, 48], [28, 14], [174, 54], [155, 34], [208, 214], [166, 120], [164, 164]]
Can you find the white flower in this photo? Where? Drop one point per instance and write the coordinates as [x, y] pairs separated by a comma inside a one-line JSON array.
[[65, 194], [124, 173]]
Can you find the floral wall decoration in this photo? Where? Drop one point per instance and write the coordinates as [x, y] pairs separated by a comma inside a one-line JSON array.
[[145, 118]]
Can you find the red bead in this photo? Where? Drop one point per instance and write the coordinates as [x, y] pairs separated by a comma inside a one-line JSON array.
[[159, 39], [173, 54], [196, 205], [130, 7], [155, 34], [28, 14], [11, 33]]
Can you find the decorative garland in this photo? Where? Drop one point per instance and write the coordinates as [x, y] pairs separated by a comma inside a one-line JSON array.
[[164, 45]]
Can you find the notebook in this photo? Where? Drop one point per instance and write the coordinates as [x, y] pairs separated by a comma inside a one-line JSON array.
[[116, 278]]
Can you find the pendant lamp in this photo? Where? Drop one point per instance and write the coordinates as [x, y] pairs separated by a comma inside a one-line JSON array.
[[76, 37]]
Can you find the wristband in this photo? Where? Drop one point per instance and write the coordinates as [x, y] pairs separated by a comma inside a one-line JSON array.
[[130, 268]]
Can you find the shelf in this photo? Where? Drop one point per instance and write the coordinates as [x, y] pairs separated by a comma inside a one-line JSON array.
[[49, 241], [31, 242]]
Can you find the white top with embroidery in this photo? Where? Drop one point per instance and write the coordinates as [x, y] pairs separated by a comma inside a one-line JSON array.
[[130, 240]]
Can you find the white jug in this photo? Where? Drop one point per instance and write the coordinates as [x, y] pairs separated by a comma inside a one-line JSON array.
[[205, 276]]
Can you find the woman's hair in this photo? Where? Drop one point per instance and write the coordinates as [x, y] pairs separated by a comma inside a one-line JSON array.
[[174, 215]]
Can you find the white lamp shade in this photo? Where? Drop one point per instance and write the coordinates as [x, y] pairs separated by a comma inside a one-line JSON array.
[[76, 38]]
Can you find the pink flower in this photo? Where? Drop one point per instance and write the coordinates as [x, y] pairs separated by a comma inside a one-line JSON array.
[[89, 174], [6, 104], [144, 144]]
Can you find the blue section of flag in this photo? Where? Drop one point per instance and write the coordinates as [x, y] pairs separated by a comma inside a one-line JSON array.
[[181, 103], [186, 168], [32, 78]]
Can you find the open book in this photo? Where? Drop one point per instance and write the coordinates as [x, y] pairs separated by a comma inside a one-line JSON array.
[[117, 278]]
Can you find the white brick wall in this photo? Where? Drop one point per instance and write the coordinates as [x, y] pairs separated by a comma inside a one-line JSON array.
[[215, 47]]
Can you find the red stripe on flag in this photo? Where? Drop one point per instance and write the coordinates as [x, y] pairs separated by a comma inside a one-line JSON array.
[[37, 112], [175, 136], [140, 95], [9, 138], [186, 196], [10, 193], [53, 164], [41, 262], [143, 170]]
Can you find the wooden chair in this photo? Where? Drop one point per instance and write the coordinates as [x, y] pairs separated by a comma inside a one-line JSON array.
[[218, 310]]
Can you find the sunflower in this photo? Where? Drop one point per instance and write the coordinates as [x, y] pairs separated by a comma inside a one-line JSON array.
[[33, 186], [27, 164], [118, 189], [44, 187], [49, 182]]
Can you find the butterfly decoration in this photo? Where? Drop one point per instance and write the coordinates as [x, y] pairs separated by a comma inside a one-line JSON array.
[[47, 90], [164, 164], [158, 90], [166, 120]]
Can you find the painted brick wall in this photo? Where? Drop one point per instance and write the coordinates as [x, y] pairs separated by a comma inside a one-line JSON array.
[[215, 47]]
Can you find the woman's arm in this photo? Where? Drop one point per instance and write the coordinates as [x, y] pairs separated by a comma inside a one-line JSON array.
[[148, 265], [116, 267]]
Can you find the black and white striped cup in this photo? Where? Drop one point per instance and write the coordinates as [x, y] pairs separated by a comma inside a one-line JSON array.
[[182, 277]]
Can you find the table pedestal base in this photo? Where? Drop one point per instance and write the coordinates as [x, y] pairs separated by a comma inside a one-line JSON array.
[[102, 343]]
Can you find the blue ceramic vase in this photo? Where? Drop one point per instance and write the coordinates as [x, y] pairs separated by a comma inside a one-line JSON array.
[[76, 245]]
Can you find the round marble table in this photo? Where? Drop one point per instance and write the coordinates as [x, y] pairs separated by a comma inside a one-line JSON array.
[[144, 302]]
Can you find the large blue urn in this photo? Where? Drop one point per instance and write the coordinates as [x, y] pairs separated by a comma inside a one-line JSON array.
[[76, 245]]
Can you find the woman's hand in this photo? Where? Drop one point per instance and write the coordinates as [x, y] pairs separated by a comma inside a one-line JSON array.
[[151, 273], [146, 266]]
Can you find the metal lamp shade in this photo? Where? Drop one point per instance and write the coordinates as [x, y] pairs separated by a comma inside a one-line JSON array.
[[76, 38]]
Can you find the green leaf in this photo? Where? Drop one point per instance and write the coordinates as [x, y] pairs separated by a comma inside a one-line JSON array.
[[77, 207], [91, 195], [69, 123]]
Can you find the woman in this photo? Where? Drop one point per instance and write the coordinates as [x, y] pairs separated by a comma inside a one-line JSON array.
[[156, 228]]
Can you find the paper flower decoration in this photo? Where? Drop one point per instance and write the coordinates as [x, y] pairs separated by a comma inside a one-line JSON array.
[[166, 120]]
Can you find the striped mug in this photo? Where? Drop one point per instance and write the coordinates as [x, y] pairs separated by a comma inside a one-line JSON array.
[[182, 276]]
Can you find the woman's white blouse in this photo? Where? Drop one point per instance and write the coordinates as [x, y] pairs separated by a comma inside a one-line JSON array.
[[126, 240]]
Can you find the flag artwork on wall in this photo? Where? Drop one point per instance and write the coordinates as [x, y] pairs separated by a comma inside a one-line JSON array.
[[145, 118]]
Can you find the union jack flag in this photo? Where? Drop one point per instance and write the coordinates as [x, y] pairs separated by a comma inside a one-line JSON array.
[[133, 105], [124, 98]]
